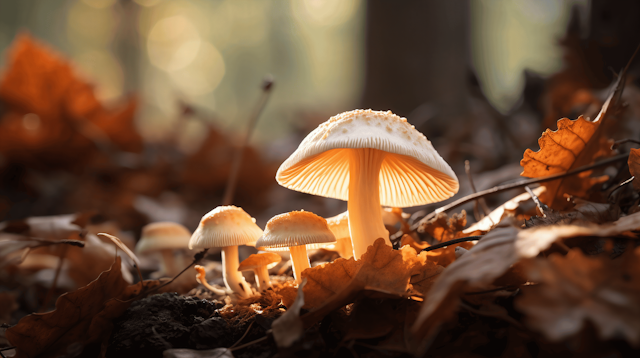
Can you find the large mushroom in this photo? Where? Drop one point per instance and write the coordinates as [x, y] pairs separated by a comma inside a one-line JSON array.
[[368, 158], [164, 237], [227, 227], [294, 231]]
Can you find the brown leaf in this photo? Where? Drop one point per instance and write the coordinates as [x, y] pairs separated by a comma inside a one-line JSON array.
[[634, 167], [381, 269], [575, 289], [288, 328], [575, 143], [443, 228], [83, 316]]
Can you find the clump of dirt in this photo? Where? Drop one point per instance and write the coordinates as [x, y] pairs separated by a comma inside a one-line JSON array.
[[160, 322], [164, 321]]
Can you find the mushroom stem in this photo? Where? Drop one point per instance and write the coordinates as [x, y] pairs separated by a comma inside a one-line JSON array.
[[169, 264], [262, 278], [299, 261], [365, 217], [344, 247], [232, 278]]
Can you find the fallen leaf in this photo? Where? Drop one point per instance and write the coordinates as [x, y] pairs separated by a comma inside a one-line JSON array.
[[575, 289], [81, 317], [490, 221], [444, 228], [634, 167], [288, 328], [380, 269]]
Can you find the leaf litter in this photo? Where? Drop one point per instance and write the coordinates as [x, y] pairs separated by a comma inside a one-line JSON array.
[[560, 277]]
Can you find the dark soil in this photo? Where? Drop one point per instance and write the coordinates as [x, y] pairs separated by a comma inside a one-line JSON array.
[[166, 321]]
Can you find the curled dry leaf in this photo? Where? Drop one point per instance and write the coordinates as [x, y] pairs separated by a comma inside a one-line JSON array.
[[444, 228], [82, 316], [575, 289], [380, 269]]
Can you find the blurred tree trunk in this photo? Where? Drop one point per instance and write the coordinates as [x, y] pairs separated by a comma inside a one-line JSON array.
[[417, 58]]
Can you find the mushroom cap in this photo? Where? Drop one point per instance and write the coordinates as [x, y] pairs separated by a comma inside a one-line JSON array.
[[294, 229], [163, 235], [255, 261], [225, 226], [412, 173], [339, 225]]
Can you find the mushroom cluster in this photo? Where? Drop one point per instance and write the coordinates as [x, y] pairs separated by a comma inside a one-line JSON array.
[[369, 158]]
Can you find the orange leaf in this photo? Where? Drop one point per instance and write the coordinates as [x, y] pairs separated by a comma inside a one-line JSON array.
[[83, 316], [380, 269], [575, 143]]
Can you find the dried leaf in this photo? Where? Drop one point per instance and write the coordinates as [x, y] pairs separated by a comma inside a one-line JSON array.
[[573, 144], [634, 167], [81, 317], [443, 228], [288, 328], [58, 227], [490, 221], [575, 289], [380, 269]]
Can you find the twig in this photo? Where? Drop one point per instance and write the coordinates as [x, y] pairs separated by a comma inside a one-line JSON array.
[[452, 242], [250, 343], [244, 335], [541, 206], [480, 202], [501, 188], [620, 142], [267, 85], [624, 183], [196, 258]]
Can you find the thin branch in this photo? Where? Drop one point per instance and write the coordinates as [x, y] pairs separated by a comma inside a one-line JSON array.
[[501, 188], [244, 335], [541, 206], [620, 142], [267, 85], [196, 259], [249, 343], [480, 202], [452, 242]]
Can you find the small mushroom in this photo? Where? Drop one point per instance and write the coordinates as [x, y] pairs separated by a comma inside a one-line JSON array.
[[164, 237], [260, 264], [339, 226], [368, 158], [295, 231], [201, 277], [227, 227]]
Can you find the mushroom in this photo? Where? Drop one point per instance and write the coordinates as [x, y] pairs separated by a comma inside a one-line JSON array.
[[259, 264], [339, 226], [368, 158], [164, 237], [227, 227], [295, 231]]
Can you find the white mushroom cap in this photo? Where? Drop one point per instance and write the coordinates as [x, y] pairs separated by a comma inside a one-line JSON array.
[[295, 228], [412, 173], [163, 235], [225, 226]]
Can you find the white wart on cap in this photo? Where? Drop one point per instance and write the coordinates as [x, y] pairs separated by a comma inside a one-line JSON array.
[[369, 158], [295, 231], [227, 227]]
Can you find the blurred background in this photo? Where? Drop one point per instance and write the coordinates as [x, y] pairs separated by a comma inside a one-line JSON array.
[[132, 109]]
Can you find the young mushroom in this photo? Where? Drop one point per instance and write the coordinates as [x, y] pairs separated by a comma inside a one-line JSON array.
[[368, 158], [260, 264], [227, 227], [164, 237], [339, 226], [295, 231]]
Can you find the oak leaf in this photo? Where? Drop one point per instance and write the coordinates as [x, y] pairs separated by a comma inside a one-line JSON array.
[[575, 289], [575, 143], [82, 316]]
